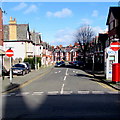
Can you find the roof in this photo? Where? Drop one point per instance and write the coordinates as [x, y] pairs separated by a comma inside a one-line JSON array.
[[116, 13], [22, 32], [35, 37]]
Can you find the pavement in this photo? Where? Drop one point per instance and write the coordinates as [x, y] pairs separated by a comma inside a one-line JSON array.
[[21, 80], [99, 75]]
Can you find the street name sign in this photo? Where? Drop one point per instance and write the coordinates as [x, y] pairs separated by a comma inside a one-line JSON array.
[[9, 53], [115, 46]]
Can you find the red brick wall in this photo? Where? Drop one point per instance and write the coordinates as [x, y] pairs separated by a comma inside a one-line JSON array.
[[1, 28]]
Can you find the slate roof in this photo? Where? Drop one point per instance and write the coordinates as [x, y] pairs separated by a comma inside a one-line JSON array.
[[116, 13], [22, 32], [35, 37]]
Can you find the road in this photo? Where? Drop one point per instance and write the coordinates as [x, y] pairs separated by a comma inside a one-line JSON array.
[[63, 93]]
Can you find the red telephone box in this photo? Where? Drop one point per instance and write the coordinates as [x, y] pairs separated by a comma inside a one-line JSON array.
[[116, 72]]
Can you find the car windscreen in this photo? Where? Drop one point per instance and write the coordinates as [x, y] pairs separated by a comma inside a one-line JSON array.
[[19, 65]]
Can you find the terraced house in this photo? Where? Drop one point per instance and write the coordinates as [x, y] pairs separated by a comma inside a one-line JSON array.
[[2, 53], [17, 37]]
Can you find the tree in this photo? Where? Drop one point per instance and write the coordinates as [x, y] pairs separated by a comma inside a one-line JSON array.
[[83, 36]]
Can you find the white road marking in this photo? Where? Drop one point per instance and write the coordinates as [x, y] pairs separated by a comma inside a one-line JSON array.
[[73, 71], [6, 95], [59, 71], [113, 92], [67, 92], [52, 92], [98, 92], [66, 72], [83, 92], [65, 78], [55, 72], [23, 94], [37, 93], [61, 92]]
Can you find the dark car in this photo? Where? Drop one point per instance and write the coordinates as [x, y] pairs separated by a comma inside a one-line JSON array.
[[77, 63], [60, 64], [19, 69], [28, 66]]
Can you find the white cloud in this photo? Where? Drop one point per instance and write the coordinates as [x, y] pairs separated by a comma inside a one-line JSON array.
[[86, 21], [32, 8], [20, 6], [95, 13], [65, 12], [49, 14], [98, 30], [64, 37]]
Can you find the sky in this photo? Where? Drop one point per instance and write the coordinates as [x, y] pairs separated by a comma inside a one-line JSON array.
[[58, 21]]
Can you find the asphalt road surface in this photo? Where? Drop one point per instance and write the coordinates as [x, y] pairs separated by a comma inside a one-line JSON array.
[[62, 94]]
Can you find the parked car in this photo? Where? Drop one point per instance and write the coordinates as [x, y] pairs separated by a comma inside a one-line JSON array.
[[77, 63], [27, 65], [71, 62], [19, 69], [60, 64]]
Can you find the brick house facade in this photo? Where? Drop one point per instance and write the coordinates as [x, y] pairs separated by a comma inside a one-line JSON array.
[[113, 22]]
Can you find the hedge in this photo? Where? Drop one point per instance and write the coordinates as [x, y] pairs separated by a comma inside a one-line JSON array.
[[31, 61]]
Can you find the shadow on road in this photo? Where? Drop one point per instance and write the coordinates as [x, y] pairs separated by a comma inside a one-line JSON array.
[[61, 107]]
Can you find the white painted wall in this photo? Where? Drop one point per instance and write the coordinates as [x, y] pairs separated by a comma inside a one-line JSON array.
[[30, 49], [17, 47], [37, 50]]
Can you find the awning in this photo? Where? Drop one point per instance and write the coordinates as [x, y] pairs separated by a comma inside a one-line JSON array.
[[2, 52]]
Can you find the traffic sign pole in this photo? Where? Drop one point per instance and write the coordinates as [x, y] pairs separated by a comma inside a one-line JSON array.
[[10, 53], [10, 70]]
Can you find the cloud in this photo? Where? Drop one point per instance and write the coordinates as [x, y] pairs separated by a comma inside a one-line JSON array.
[[32, 8], [95, 13], [64, 37], [20, 6], [65, 12], [86, 21], [49, 14], [98, 30]]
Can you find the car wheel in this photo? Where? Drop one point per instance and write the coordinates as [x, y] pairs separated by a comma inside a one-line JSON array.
[[23, 72]]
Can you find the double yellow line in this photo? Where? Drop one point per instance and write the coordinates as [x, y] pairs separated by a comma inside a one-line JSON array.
[[106, 86]]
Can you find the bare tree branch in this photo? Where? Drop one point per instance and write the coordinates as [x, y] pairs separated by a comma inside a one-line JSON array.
[[83, 36]]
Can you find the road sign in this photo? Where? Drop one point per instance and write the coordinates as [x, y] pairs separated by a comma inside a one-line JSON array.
[[9, 53], [115, 46]]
